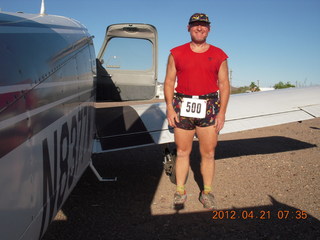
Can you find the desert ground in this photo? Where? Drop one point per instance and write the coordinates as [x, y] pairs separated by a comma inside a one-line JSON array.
[[266, 187]]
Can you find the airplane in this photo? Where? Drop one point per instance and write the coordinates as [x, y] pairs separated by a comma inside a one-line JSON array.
[[60, 105]]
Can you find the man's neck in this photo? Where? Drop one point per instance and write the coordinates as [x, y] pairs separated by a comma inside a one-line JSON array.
[[199, 47]]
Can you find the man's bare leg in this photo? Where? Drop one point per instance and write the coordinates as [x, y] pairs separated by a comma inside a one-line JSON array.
[[183, 140], [208, 139]]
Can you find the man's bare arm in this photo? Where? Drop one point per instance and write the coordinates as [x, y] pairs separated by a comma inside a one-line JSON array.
[[224, 90], [169, 91]]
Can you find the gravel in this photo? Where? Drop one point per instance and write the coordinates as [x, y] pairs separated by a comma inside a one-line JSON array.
[[266, 187]]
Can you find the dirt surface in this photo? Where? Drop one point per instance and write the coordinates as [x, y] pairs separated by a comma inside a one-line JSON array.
[[266, 187]]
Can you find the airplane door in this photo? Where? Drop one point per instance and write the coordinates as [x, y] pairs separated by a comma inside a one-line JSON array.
[[127, 63]]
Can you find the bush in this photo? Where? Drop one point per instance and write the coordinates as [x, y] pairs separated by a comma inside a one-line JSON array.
[[282, 85]]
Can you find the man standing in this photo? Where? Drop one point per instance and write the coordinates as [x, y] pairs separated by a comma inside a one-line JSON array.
[[199, 104]]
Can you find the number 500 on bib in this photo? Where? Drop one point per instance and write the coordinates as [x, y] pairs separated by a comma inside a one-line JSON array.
[[192, 107]]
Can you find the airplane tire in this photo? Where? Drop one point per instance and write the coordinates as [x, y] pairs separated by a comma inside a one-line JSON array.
[[170, 165]]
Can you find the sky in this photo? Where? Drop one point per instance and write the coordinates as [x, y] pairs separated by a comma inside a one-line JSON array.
[[267, 41]]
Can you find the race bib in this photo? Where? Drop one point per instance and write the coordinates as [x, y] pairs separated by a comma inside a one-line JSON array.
[[192, 107]]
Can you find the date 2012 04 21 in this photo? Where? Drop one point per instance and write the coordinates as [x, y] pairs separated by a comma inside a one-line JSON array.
[[262, 214]]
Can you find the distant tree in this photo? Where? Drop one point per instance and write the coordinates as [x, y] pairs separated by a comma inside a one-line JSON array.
[[254, 87], [281, 85], [240, 90], [245, 89]]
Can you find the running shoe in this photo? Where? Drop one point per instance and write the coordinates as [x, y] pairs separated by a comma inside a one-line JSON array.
[[179, 200], [207, 200]]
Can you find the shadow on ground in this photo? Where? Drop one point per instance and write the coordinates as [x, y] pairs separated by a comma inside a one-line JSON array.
[[121, 210]]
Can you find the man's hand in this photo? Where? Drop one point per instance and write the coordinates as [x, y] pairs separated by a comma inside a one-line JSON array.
[[172, 117], [219, 122]]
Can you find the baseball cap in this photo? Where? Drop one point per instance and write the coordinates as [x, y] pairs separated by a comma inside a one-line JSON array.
[[199, 17]]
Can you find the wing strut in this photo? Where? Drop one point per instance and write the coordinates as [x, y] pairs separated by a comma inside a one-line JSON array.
[[100, 178]]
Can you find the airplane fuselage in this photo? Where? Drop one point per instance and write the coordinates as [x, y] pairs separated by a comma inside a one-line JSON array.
[[47, 90]]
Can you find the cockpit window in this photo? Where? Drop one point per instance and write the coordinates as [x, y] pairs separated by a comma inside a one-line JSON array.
[[128, 54]]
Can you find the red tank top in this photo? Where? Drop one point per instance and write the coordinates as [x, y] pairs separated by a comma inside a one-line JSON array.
[[197, 73]]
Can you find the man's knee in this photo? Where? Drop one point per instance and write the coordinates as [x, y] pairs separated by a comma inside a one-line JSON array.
[[208, 155], [183, 153]]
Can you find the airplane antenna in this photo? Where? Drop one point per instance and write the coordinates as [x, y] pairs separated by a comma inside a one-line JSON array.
[[43, 8]]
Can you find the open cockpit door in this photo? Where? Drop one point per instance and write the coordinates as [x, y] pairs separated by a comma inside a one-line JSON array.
[[127, 63]]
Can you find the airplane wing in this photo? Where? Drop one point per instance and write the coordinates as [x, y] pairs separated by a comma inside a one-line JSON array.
[[146, 124], [263, 109]]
